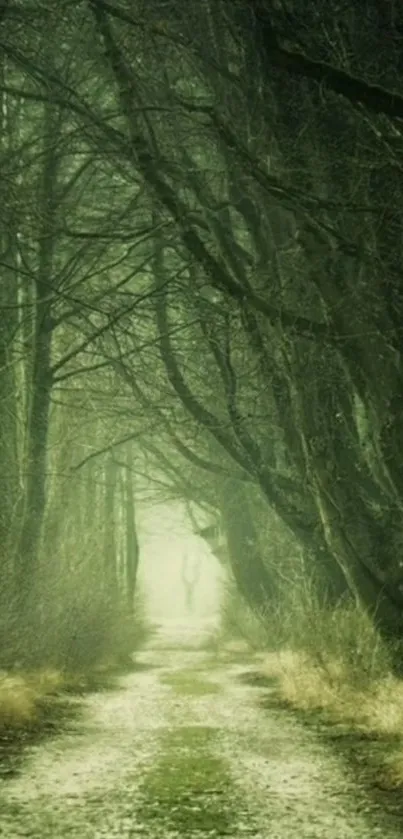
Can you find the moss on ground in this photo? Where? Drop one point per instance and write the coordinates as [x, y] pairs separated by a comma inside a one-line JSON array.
[[189, 683], [188, 790]]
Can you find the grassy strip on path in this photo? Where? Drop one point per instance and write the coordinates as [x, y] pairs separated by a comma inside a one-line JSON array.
[[189, 683], [189, 789]]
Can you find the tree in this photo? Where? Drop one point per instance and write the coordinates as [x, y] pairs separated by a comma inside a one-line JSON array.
[[288, 226]]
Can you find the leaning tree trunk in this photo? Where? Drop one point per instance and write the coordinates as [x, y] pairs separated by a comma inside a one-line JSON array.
[[360, 519], [250, 573]]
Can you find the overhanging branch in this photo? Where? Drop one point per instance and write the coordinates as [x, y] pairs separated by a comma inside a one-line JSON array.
[[376, 99]]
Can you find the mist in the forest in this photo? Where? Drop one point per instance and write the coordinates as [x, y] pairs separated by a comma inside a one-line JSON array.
[[180, 577]]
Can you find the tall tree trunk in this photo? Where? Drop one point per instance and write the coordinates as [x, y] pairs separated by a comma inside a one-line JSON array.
[[110, 571], [132, 545], [9, 467], [9, 484], [41, 378]]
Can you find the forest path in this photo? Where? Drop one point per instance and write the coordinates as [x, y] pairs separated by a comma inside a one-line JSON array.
[[182, 749]]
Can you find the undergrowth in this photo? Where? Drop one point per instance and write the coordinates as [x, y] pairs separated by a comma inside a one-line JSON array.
[[76, 654], [325, 659]]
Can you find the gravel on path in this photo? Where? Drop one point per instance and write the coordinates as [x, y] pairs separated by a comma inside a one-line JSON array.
[[183, 749]]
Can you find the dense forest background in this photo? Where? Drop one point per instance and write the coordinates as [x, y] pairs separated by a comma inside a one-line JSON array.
[[201, 283]]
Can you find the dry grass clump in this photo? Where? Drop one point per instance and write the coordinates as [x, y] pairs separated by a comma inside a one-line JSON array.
[[23, 697], [375, 709], [303, 684], [17, 702], [47, 682], [331, 660], [384, 708]]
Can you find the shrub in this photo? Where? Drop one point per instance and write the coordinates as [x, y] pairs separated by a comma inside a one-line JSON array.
[[340, 640]]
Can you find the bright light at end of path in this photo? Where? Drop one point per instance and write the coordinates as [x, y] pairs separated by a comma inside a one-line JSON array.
[[167, 543]]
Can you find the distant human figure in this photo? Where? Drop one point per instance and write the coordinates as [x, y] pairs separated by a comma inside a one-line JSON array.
[[190, 574]]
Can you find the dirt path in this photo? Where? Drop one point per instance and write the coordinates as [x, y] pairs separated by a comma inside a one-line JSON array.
[[182, 749]]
